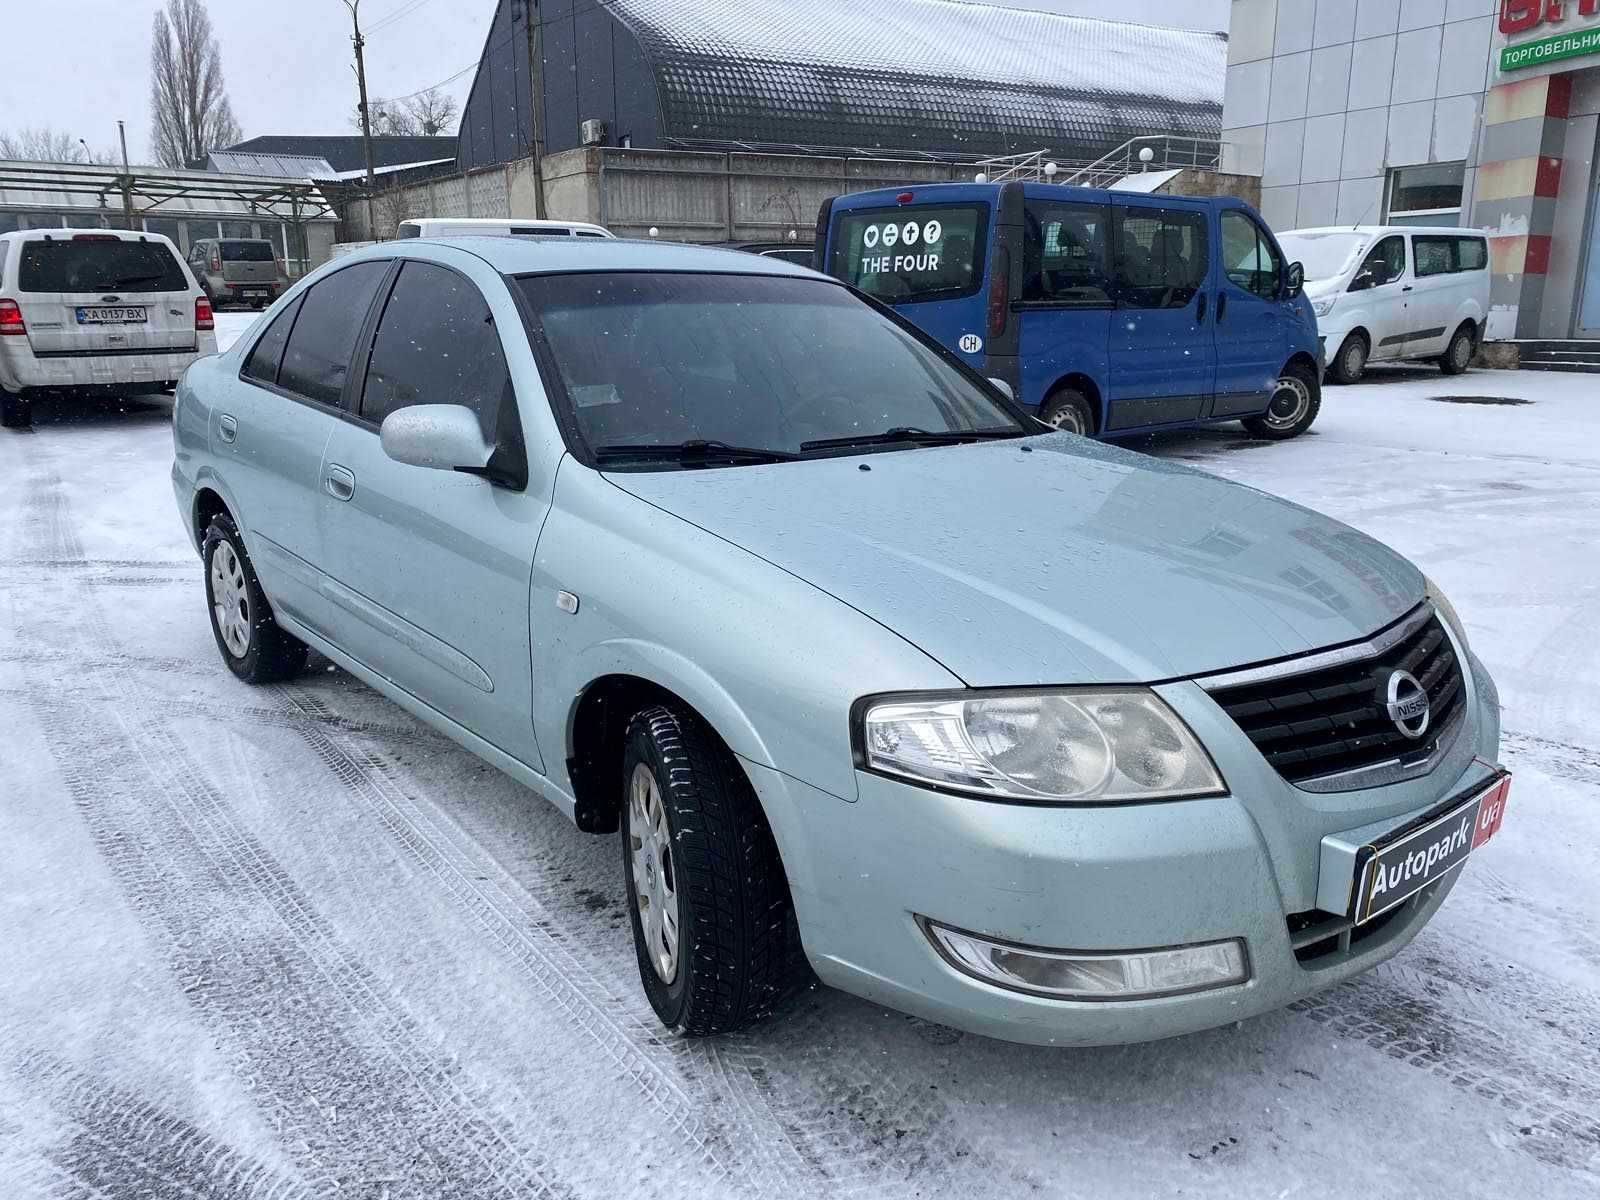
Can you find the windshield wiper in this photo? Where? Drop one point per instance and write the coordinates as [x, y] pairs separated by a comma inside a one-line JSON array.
[[694, 452], [123, 281], [912, 435]]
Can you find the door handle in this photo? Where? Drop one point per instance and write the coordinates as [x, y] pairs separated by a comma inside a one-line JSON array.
[[340, 482], [228, 428], [1200, 318], [1222, 307], [1407, 288]]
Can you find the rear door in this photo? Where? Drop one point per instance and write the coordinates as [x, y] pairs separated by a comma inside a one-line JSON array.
[[926, 260], [1437, 289], [248, 261], [1253, 316], [91, 294], [1161, 358], [1067, 294]]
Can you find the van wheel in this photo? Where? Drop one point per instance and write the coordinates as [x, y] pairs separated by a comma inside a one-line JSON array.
[[713, 926], [1296, 400], [15, 412], [1068, 409], [1458, 355], [252, 645], [1350, 364]]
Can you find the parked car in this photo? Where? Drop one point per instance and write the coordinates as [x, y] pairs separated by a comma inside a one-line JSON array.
[[437, 227], [794, 252], [1102, 312], [244, 271], [1015, 731], [1387, 293], [108, 311]]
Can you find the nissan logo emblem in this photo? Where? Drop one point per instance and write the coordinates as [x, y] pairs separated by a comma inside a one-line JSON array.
[[1407, 704]]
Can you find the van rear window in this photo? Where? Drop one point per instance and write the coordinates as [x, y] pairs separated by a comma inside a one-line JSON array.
[[64, 265], [904, 254], [247, 251]]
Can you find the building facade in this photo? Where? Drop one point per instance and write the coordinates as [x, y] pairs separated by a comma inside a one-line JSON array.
[[1440, 112]]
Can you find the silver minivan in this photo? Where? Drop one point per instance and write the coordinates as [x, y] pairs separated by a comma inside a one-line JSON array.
[[107, 310], [1393, 293]]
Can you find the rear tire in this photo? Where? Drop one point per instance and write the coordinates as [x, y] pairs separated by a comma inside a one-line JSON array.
[[1350, 364], [1458, 355], [1296, 400], [1068, 409], [15, 412], [713, 924], [252, 644]]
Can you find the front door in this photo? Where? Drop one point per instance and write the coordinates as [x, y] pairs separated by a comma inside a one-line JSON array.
[[1384, 281], [1161, 359], [1253, 316], [429, 571]]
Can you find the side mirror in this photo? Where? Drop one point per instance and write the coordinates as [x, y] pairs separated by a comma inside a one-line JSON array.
[[1295, 280], [443, 437], [1003, 386]]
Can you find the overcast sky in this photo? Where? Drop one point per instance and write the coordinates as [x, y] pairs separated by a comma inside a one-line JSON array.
[[290, 72]]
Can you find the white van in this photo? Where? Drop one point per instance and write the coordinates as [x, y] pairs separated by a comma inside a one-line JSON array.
[[107, 310], [1387, 293], [435, 227]]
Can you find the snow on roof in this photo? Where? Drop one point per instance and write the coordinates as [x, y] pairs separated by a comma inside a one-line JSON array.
[[1145, 181], [920, 73], [288, 166], [157, 191]]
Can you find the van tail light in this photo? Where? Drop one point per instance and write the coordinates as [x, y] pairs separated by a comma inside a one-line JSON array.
[[203, 319], [11, 324], [999, 291]]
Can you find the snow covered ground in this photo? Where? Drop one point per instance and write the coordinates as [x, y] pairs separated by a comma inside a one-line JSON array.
[[289, 943]]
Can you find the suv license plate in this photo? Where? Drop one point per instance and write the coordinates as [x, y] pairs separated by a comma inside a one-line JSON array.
[[1398, 868], [113, 316]]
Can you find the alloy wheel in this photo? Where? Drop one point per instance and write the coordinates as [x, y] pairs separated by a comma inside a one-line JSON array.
[[230, 599], [655, 884]]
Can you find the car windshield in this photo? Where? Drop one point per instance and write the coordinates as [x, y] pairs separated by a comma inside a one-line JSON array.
[[247, 251], [99, 264], [765, 364], [1323, 255]]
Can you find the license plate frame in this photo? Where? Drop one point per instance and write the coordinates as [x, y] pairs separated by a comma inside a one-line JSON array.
[[1388, 872], [113, 314]]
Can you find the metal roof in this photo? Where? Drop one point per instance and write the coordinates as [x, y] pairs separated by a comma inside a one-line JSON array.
[[288, 166], [936, 75], [157, 191], [344, 151]]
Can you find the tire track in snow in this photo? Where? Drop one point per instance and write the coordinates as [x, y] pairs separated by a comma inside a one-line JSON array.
[[342, 1068]]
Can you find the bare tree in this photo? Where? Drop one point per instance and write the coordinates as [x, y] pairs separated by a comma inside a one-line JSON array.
[[188, 99], [389, 118], [427, 114], [49, 145]]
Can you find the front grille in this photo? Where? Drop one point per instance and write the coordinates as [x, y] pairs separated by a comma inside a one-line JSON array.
[[1331, 720]]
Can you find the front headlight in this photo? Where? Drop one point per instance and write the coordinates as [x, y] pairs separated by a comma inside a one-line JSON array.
[[1073, 746], [1325, 306], [1446, 610]]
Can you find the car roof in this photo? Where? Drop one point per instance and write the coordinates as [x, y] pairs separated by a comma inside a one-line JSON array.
[[1371, 230], [562, 255], [99, 235]]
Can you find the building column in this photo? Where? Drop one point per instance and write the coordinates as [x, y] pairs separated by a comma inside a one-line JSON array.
[[1519, 173]]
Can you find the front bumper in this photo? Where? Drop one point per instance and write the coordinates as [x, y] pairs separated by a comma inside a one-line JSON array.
[[1120, 878]]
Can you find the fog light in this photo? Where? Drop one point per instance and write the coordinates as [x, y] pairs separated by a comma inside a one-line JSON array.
[[1091, 975]]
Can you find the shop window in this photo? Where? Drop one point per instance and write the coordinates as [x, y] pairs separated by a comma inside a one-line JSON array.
[[1428, 195]]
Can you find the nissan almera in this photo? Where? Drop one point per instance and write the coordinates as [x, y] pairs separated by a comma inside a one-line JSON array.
[[864, 670]]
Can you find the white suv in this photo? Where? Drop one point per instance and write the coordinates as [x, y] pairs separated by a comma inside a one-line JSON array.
[[93, 310]]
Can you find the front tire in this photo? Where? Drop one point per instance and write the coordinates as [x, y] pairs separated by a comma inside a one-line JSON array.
[[252, 644], [713, 925], [1458, 355], [1350, 364], [1068, 409], [1296, 400]]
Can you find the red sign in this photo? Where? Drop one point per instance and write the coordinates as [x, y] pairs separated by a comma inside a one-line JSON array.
[[1491, 811], [1519, 16]]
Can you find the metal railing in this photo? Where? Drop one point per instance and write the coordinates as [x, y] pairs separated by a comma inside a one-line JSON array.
[[1152, 152]]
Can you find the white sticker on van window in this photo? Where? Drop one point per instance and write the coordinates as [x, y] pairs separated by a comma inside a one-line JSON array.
[[970, 343], [891, 235], [932, 232], [911, 233], [869, 239]]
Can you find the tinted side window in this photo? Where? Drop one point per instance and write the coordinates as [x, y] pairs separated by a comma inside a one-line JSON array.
[[436, 344], [1162, 257], [1472, 254], [317, 358], [262, 365], [1434, 255], [1065, 254], [1249, 259]]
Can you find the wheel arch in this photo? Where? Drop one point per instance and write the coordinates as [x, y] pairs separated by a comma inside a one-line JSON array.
[[1086, 384], [1304, 360]]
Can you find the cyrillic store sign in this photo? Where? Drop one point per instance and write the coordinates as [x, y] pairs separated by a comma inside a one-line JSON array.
[[1521, 16]]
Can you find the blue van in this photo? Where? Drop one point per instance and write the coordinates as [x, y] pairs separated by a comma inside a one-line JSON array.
[[1104, 312]]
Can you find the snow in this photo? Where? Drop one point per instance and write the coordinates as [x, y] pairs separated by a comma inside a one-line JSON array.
[[286, 942]]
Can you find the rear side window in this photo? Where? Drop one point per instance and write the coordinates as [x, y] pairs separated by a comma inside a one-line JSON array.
[[1434, 255], [317, 358], [409, 229], [436, 344], [262, 365], [251, 251], [535, 231], [62, 265], [1065, 254], [1472, 254], [590, 233], [1162, 256], [901, 255]]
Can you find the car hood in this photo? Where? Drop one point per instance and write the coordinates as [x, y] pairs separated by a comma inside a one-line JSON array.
[[1318, 289], [1070, 562]]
